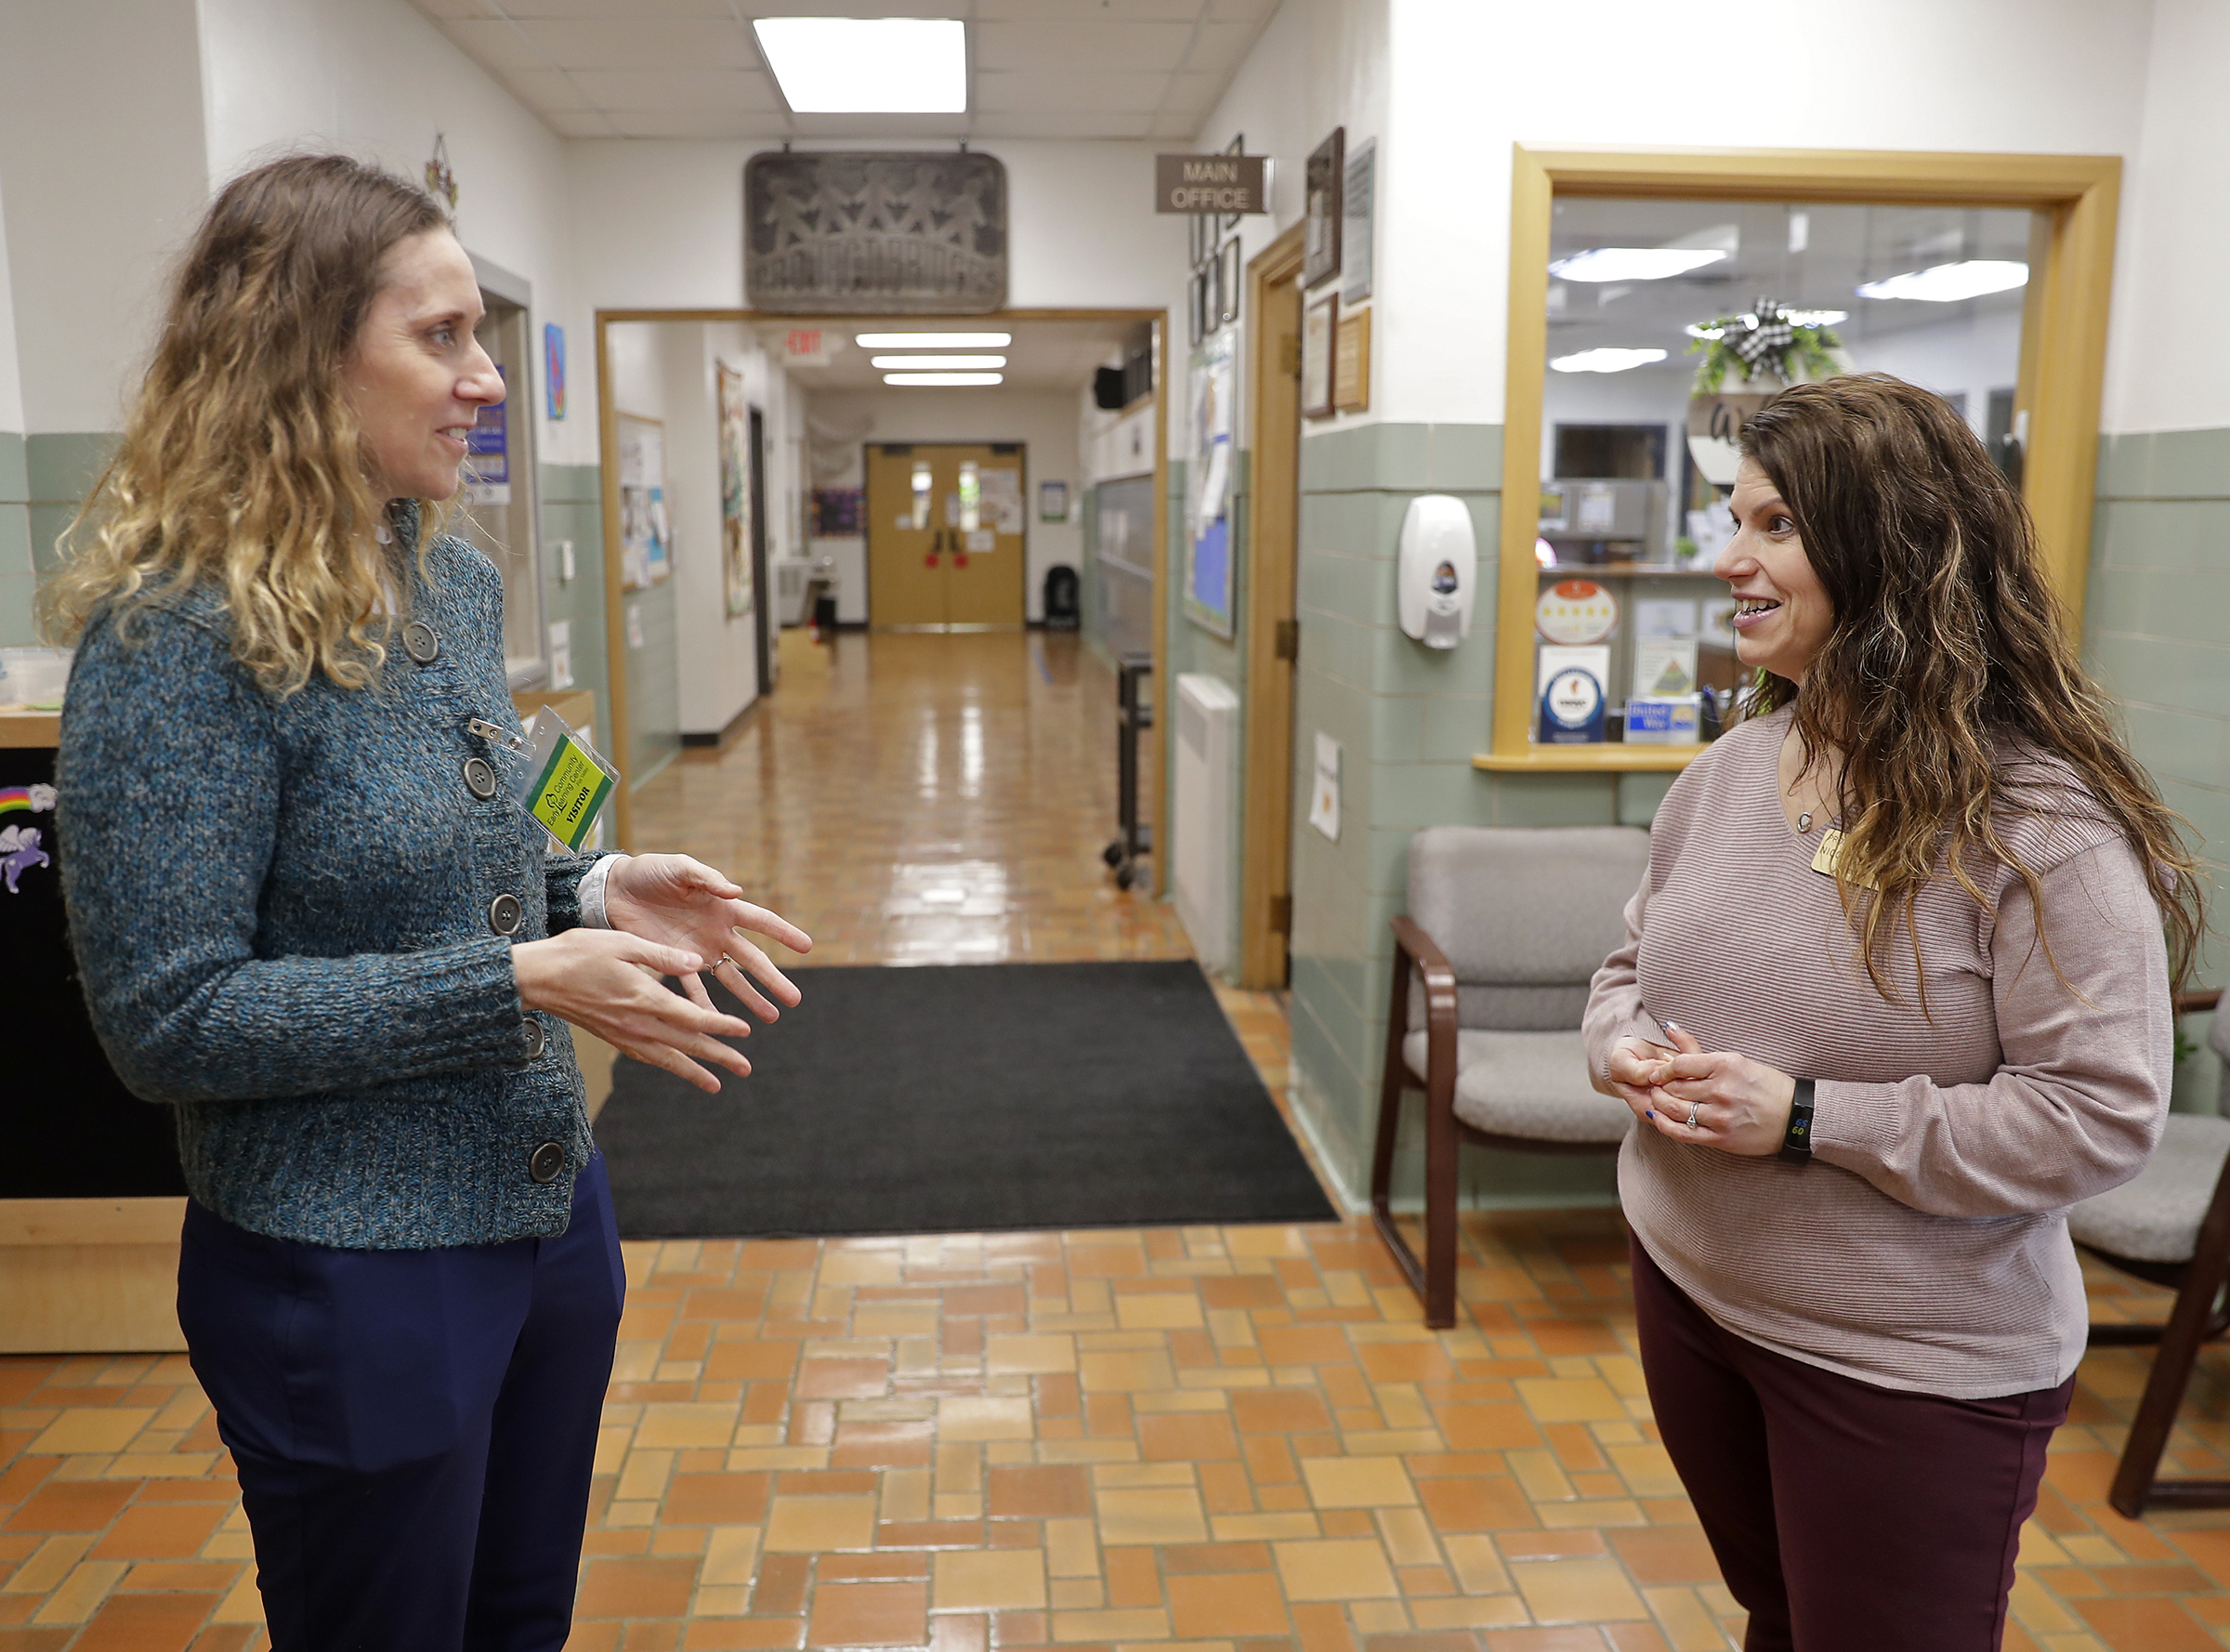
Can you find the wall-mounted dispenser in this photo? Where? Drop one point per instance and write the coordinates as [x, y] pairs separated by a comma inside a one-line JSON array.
[[1438, 570]]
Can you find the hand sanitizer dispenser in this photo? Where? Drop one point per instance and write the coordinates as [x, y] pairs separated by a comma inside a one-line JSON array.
[[1438, 570]]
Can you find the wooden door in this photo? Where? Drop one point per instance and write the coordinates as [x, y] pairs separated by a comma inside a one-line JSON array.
[[945, 536], [905, 538], [986, 575]]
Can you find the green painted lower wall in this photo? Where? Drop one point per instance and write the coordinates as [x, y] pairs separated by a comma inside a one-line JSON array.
[[571, 508], [2157, 636]]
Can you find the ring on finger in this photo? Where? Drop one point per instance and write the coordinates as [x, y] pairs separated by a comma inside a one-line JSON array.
[[1692, 1107]]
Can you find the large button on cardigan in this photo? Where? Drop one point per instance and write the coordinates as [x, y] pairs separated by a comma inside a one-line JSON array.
[[280, 907]]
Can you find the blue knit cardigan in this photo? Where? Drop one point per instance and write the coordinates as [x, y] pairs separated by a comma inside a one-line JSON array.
[[281, 910]]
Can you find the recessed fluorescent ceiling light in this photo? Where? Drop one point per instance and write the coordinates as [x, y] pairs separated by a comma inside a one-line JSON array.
[[1795, 318], [933, 341], [867, 65], [944, 379], [1605, 360], [945, 362], [1634, 263], [1947, 283]]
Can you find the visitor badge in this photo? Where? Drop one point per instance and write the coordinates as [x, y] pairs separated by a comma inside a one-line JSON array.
[[570, 781]]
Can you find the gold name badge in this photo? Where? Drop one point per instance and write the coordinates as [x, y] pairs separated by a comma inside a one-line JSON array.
[[1830, 856]]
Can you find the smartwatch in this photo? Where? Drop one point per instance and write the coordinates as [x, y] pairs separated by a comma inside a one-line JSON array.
[[1796, 1141]]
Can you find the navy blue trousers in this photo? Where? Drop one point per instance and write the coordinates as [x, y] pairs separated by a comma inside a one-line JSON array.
[[413, 1429]]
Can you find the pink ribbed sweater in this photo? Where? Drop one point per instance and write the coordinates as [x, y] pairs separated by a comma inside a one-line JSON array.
[[1926, 1246]]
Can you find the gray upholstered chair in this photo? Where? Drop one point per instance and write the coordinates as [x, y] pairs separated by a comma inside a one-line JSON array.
[[2172, 1225], [1504, 929]]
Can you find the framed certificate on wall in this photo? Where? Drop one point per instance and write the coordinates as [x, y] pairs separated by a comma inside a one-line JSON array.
[[1319, 322]]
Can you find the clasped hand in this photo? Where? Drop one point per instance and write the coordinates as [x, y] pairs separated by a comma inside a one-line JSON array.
[[1740, 1105], [670, 915]]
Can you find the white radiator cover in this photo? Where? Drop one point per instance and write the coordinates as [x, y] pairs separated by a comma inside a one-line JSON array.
[[1205, 814]]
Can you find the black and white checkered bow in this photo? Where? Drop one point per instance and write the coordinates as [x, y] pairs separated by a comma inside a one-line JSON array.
[[1764, 337]]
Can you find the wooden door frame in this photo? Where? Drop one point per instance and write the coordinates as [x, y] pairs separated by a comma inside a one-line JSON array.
[[2062, 350], [607, 458], [1273, 550]]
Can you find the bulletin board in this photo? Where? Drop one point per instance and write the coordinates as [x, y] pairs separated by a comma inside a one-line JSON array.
[[1213, 452], [646, 540]]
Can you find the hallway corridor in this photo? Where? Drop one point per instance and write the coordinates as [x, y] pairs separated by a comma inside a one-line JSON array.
[[1176, 1440]]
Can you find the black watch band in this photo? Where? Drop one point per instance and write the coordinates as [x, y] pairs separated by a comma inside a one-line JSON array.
[[1796, 1141]]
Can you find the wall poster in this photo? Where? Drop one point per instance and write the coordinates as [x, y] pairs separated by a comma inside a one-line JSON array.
[[737, 506], [1208, 570], [874, 233], [646, 541]]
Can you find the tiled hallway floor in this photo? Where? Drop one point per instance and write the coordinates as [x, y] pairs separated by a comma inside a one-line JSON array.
[[1191, 1440]]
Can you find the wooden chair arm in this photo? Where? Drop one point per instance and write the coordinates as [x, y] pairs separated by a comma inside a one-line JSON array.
[[1414, 946], [2198, 999]]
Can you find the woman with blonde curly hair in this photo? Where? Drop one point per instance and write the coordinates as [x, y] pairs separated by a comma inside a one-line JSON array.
[[1895, 993], [313, 918]]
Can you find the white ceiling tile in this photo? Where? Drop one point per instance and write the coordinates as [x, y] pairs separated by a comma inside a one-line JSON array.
[[623, 10], [1242, 11], [546, 91], [1061, 123], [645, 42], [697, 123], [897, 130], [746, 9], [454, 8], [580, 123], [494, 45], [1220, 48], [1181, 124], [1005, 94], [1088, 11], [1061, 48], [679, 88]]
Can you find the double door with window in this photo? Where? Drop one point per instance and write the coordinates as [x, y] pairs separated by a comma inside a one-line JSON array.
[[945, 535]]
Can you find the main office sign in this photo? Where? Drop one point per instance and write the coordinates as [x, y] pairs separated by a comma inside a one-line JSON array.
[[1212, 183]]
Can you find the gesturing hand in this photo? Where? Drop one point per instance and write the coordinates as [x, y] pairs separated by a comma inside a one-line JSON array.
[[606, 983], [1740, 1105], [679, 902]]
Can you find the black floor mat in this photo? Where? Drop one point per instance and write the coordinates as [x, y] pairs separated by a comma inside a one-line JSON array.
[[965, 1099]]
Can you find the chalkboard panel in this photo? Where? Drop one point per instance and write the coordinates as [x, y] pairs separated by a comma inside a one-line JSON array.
[[70, 1128]]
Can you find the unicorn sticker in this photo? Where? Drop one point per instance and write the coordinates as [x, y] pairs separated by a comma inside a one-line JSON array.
[[19, 849], [20, 852]]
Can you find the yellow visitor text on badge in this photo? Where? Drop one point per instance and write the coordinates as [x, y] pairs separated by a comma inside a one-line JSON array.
[[572, 788]]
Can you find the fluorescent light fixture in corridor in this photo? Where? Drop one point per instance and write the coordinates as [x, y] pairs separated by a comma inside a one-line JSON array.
[[943, 364], [944, 379], [1634, 263], [1947, 283], [1606, 359], [867, 65], [933, 341]]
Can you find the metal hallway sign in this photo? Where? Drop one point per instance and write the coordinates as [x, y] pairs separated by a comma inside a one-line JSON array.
[[874, 233]]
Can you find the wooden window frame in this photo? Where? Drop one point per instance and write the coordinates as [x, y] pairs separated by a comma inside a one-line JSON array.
[[2063, 352]]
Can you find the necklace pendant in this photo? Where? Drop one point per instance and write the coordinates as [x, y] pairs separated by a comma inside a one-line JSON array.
[[1803, 823]]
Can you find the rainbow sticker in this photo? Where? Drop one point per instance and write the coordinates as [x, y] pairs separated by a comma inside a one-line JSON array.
[[39, 800]]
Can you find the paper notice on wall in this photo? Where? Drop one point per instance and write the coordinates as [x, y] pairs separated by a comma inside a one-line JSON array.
[[1001, 501], [983, 539], [1664, 665], [1658, 616], [561, 653], [1324, 794]]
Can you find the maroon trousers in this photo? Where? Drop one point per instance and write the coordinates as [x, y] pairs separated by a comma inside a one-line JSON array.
[[1843, 1516]]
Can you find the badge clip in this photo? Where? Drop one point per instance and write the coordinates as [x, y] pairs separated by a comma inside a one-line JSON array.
[[501, 737]]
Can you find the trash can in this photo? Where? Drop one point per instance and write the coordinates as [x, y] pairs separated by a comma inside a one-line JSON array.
[[1062, 591]]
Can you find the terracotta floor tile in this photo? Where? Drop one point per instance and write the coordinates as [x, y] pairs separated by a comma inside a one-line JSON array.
[[635, 1588], [990, 1580], [1358, 1482], [146, 1623], [1209, 1605], [1335, 1569], [1181, 1437], [2137, 1625], [159, 1530], [809, 1525], [1484, 1502], [1171, 1515], [869, 1615], [716, 1500], [1665, 1554], [1039, 1491]]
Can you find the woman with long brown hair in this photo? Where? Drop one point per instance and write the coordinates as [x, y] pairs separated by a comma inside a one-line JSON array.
[[313, 917], [1895, 993]]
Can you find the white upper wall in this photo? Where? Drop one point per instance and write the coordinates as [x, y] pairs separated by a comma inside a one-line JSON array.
[[374, 79], [11, 367], [1471, 78], [1320, 64], [101, 152], [2166, 368]]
